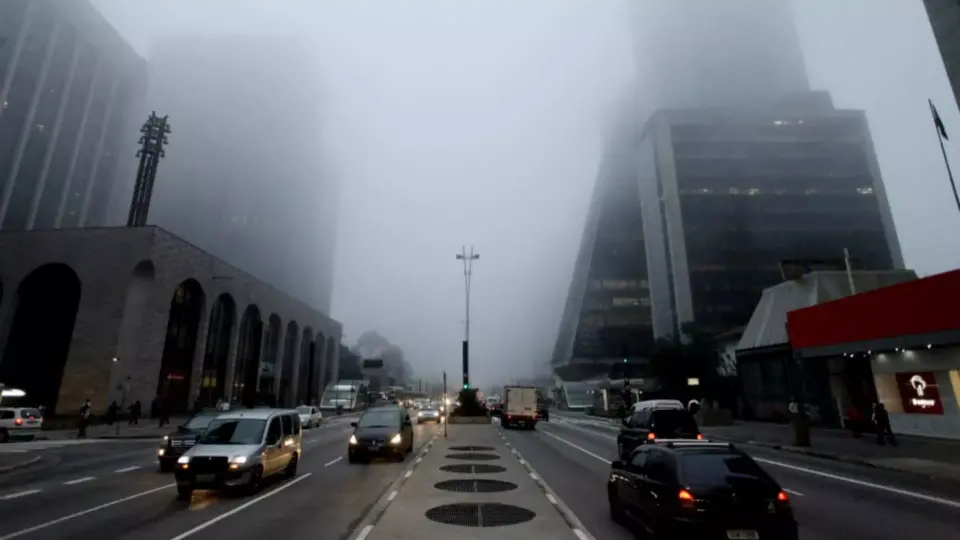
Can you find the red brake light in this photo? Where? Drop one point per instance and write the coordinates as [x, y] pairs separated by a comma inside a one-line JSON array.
[[18, 421], [699, 436], [651, 436], [782, 496]]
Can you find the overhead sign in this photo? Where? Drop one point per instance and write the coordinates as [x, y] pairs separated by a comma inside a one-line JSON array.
[[919, 393]]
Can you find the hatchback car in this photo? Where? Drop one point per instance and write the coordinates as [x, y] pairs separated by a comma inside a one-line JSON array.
[[649, 424], [381, 432], [698, 489], [20, 423], [240, 449], [309, 416], [429, 413]]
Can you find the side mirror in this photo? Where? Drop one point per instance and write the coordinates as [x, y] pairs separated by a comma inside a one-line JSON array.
[[617, 465], [353, 424]]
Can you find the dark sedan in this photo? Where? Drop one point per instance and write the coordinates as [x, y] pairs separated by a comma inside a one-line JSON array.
[[381, 432], [181, 440]]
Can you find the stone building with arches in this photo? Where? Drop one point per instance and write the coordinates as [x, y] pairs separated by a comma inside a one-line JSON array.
[[129, 314]]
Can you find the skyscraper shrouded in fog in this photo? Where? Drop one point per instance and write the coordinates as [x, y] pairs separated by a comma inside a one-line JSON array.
[[67, 83], [244, 177], [702, 195], [944, 18]]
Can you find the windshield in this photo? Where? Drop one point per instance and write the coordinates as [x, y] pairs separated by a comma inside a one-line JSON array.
[[30, 413], [199, 422], [304, 410], [714, 469], [379, 419], [430, 408], [234, 431], [667, 423]]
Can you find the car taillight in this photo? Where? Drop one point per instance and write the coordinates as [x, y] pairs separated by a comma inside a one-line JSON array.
[[782, 497], [699, 436], [686, 499], [651, 436], [18, 422]]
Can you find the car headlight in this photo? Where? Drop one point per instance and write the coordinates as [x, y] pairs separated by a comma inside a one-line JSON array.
[[353, 439], [239, 460], [396, 439], [166, 438], [183, 460]]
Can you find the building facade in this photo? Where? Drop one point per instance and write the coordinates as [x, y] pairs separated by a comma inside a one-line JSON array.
[[945, 19], [703, 209], [67, 84], [244, 175]]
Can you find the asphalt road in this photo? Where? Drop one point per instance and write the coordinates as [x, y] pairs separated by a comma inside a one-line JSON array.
[[831, 500], [112, 490]]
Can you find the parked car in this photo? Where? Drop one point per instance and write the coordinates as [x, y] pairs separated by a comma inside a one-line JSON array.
[[20, 423], [309, 416]]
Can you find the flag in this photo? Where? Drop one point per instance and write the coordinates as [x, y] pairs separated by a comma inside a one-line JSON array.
[[938, 122]]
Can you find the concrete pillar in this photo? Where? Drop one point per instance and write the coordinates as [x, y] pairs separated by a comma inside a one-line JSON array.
[[295, 376], [233, 346], [278, 366], [199, 353], [264, 349]]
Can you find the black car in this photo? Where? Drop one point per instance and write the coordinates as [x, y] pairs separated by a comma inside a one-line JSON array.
[[645, 425], [698, 489], [381, 432], [181, 440]]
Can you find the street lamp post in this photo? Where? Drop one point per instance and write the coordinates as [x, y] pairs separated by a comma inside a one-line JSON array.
[[467, 275]]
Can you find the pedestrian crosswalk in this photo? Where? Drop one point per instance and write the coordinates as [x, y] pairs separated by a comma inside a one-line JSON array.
[[33, 446]]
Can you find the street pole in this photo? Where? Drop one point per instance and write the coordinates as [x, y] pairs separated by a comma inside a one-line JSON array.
[[445, 405], [467, 276]]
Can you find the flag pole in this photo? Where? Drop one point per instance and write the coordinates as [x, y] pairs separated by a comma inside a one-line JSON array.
[[941, 135]]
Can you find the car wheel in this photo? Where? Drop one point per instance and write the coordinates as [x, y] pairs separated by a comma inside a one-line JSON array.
[[620, 451], [291, 469], [401, 456], [184, 493], [616, 510], [256, 481], [166, 466], [351, 458], [4, 436]]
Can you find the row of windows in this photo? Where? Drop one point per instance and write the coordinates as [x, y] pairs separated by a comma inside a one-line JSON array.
[[812, 130], [618, 284], [594, 303], [860, 190], [812, 150], [778, 167]]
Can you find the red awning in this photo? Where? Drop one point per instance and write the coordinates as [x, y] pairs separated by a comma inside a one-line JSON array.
[[921, 307]]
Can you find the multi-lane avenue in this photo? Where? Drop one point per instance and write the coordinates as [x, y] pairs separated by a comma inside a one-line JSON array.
[[112, 490]]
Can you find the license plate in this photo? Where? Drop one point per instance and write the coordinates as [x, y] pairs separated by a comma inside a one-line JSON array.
[[201, 478], [31, 422], [374, 447], [742, 534]]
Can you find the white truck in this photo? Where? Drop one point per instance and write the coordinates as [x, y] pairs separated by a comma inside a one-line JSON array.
[[520, 404]]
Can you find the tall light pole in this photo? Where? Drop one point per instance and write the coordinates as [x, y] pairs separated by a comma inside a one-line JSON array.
[[467, 275]]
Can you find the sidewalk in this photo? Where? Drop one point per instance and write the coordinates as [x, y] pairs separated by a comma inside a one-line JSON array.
[[931, 457], [146, 429], [445, 495]]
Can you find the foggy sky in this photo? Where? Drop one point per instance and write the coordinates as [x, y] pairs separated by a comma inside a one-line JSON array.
[[451, 122]]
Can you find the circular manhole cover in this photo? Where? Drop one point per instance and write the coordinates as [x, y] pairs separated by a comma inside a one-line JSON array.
[[473, 469], [479, 515], [473, 457], [475, 486], [472, 448]]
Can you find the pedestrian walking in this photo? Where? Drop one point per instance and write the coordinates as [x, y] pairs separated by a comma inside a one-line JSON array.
[[135, 410], [881, 419], [112, 412], [84, 419]]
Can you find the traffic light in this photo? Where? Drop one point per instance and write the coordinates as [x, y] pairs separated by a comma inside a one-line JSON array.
[[466, 386]]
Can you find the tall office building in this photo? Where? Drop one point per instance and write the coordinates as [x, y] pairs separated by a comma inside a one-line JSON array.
[[244, 176], [67, 83], [945, 19], [723, 167]]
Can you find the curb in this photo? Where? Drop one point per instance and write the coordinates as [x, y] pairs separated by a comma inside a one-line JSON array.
[[571, 519], [31, 461], [379, 508]]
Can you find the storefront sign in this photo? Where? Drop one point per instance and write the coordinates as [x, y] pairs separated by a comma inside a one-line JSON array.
[[919, 393]]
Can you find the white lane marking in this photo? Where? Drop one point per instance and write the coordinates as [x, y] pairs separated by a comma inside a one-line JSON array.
[[19, 494], [862, 483], [419, 459], [793, 492], [523, 462], [551, 498], [534, 476], [580, 534], [392, 496], [127, 469], [332, 461], [578, 447], [75, 515], [365, 532], [409, 473], [240, 508], [78, 480]]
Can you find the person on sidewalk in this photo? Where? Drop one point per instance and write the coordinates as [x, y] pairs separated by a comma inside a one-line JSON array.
[[84, 419], [112, 412], [135, 411], [164, 412], [881, 418]]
